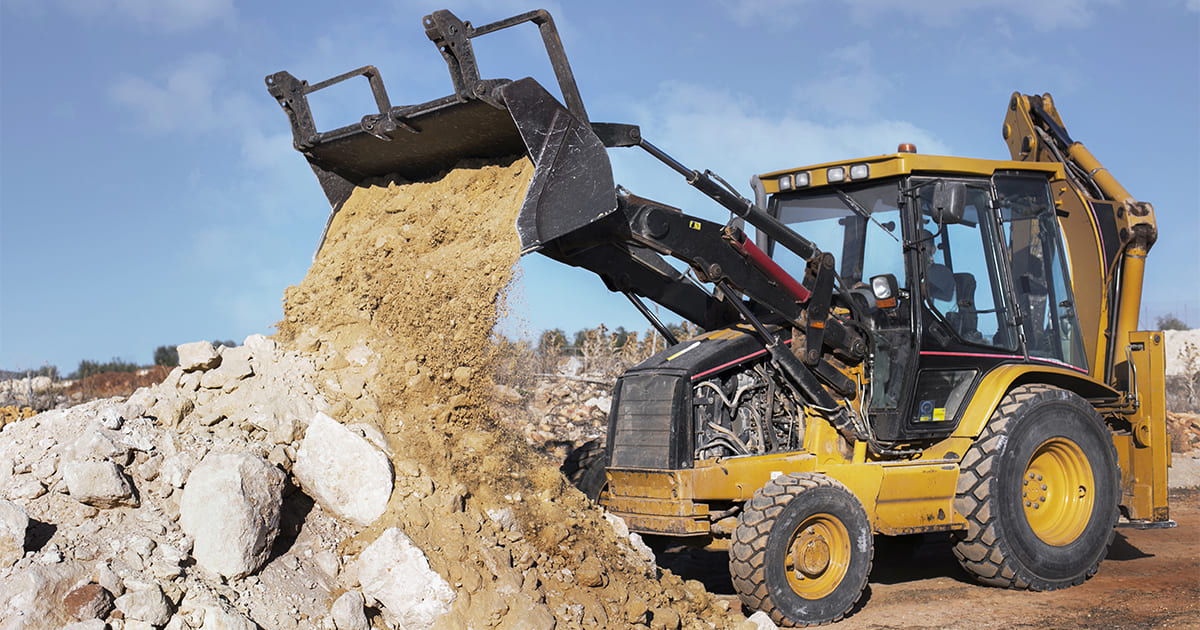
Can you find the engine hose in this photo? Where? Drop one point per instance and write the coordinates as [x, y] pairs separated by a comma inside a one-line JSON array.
[[727, 433], [736, 396]]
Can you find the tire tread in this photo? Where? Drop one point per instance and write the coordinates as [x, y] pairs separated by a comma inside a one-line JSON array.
[[980, 550]]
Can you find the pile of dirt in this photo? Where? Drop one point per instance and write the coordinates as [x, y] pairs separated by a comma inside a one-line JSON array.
[[399, 307]]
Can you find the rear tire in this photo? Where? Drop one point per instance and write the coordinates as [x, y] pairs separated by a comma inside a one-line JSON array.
[[1039, 490], [802, 550], [584, 468]]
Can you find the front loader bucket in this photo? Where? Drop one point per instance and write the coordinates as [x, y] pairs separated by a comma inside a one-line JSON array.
[[572, 185]]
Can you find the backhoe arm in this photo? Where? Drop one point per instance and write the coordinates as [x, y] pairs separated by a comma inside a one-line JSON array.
[[1034, 131]]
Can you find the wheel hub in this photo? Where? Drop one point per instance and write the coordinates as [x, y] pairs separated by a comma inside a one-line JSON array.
[[810, 554], [818, 556], [1056, 491]]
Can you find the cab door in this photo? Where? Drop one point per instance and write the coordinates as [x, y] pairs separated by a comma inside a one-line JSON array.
[[1049, 325], [965, 318]]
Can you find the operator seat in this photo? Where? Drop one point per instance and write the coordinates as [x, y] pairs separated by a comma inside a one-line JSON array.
[[966, 318]]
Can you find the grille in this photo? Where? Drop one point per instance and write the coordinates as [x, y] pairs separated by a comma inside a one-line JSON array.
[[647, 408]]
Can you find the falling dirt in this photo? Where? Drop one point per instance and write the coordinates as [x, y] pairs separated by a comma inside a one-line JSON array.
[[400, 305]]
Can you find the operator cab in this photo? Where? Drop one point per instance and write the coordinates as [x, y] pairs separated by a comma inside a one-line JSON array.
[[957, 263]]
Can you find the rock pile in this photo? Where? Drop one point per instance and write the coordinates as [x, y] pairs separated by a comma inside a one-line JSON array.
[[558, 414], [163, 510], [1184, 429]]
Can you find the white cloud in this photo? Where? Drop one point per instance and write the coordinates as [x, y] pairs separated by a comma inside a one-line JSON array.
[[167, 14], [200, 99], [706, 127], [183, 99], [851, 88], [1044, 15]]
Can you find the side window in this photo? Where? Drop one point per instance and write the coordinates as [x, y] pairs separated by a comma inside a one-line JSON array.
[[1039, 269], [959, 272]]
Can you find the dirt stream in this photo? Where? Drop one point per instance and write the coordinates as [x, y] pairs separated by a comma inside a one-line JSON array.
[[412, 277]]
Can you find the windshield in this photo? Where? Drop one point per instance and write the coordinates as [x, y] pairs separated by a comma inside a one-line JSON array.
[[859, 225]]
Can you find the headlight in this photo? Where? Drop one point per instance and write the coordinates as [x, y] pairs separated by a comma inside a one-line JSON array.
[[881, 287], [835, 175], [785, 183], [860, 171], [802, 179]]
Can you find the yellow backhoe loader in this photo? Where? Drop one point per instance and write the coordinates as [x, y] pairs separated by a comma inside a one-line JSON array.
[[906, 343]]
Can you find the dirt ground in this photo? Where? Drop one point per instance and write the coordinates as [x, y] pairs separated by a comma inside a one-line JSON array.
[[1151, 579]]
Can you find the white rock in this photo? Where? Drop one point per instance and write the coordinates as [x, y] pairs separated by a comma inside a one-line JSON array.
[[762, 621], [235, 366], [176, 468], [110, 418], [149, 605], [171, 408], [32, 597], [198, 355], [348, 612], [231, 507], [106, 577], [97, 443], [343, 472], [141, 400], [137, 436], [24, 487], [602, 402], [393, 572], [99, 484], [504, 518], [261, 347], [14, 522], [635, 541]]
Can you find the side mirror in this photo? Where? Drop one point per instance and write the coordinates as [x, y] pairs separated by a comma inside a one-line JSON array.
[[949, 202]]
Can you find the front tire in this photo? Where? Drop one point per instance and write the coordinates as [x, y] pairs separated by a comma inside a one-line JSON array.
[[802, 550], [584, 468], [1039, 490]]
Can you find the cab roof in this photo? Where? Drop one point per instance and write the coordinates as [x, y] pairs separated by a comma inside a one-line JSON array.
[[881, 166]]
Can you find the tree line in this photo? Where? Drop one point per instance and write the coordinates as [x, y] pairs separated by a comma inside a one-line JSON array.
[[591, 344]]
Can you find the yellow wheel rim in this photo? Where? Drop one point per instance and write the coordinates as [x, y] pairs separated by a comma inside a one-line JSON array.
[[1058, 490], [818, 556]]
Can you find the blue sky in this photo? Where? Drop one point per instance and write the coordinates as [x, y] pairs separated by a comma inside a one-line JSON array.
[[149, 193]]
